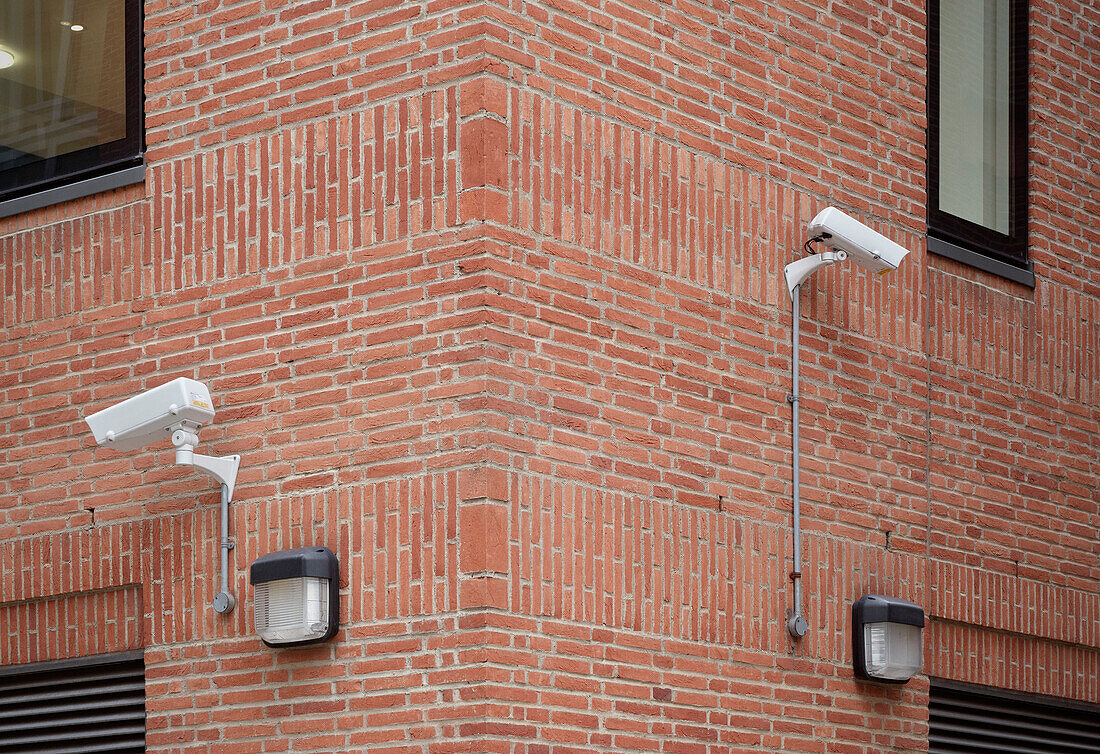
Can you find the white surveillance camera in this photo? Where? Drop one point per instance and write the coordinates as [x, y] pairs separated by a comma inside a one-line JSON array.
[[175, 409], [179, 406], [867, 248], [845, 237]]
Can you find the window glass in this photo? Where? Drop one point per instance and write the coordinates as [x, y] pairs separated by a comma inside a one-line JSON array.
[[69, 104], [977, 128], [974, 114]]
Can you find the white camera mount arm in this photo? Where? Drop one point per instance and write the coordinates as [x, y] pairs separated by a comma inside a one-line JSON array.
[[224, 469], [797, 271], [843, 236], [794, 274]]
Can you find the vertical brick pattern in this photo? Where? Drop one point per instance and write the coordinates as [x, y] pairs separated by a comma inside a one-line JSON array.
[[637, 199], [490, 298], [59, 628], [341, 337], [1049, 341], [68, 562], [1027, 607], [352, 181], [1012, 661]]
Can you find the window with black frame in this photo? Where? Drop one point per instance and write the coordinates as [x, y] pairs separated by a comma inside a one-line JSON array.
[[977, 134], [70, 94]]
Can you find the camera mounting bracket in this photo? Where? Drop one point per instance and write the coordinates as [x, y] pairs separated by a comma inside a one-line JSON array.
[[224, 469]]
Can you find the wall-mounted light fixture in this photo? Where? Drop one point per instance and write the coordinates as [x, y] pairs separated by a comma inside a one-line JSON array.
[[844, 237], [296, 597], [176, 409], [886, 638]]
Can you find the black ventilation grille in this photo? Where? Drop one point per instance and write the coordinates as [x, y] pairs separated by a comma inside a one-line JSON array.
[[967, 719], [86, 705]]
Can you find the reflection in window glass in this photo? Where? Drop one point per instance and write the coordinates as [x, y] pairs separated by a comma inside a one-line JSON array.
[[63, 88], [974, 112], [977, 134]]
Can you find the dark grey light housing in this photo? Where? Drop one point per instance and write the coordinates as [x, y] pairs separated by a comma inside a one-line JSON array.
[[296, 597], [886, 638]]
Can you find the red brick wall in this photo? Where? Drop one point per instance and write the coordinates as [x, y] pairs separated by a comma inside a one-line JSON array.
[[489, 299]]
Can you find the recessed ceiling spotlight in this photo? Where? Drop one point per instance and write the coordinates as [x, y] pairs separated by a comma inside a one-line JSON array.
[[77, 27], [7, 60]]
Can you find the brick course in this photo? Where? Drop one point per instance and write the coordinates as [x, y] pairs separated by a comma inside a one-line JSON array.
[[489, 298]]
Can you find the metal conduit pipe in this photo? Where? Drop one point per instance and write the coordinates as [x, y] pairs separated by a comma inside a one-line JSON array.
[[225, 601], [842, 236], [795, 273], [796, 623]]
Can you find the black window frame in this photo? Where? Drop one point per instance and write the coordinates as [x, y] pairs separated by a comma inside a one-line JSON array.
[[955, 237], [92, 169]]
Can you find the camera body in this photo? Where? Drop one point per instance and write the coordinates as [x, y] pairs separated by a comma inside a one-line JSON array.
[[867, 248], [182, 404]]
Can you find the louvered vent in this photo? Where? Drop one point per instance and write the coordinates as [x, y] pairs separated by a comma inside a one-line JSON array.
[[86, 705], [965, 718]]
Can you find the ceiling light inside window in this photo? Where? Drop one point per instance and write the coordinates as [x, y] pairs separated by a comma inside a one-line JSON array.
[[77, 27], [7, 60]]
